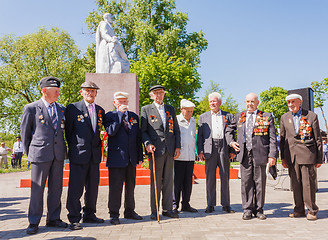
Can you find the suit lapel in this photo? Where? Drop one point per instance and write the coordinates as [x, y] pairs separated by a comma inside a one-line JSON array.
[[85, 113], [45, 114], [156, 113], [290, 122], [209, 120]]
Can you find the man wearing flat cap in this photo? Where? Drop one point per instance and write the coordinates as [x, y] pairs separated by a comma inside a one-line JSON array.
[[42, 135], [84, 121], [301, 152], [161, 136], [184, 164], [124, 153]]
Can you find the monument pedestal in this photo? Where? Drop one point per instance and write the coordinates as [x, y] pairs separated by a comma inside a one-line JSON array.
[[109, 83]]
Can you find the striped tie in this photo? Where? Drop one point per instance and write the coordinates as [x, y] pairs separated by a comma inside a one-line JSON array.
[[53, 115]]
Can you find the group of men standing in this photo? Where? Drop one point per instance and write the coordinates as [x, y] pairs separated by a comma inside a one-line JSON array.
[[169, 141]]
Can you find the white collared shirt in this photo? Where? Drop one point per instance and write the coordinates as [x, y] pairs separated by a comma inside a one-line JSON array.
[[217, 125], [92, 113], [187, 134], [161, 112], [18, 147]]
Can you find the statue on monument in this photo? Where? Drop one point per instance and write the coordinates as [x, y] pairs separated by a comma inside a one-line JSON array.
[[110, 55]]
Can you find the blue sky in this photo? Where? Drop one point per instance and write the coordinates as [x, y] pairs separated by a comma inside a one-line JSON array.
[[252, 44]]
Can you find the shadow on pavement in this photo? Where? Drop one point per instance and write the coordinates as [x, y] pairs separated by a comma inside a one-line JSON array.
[[6, 214]]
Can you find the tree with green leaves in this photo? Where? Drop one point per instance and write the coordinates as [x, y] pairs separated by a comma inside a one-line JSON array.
[[25, 60], [320, 96], [155, 38], [273, 101], [229, 104]]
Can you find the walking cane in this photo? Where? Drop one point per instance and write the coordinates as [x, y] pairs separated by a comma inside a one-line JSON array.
[[156, 197]]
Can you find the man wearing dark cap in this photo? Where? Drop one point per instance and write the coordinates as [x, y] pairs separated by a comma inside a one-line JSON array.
[[42, 134], [18, 150], [84, 121], [161, 136]]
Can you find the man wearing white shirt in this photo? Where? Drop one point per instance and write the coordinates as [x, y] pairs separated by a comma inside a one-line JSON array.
[[184, 165], [18, 150], [213, 149]]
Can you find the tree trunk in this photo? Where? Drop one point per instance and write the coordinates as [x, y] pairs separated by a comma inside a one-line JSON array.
[[324, 118]]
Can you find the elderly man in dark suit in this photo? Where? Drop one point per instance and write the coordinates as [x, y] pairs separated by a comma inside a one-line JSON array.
[[255, 147], [213, 149], [161, 136], [84, 122], [42, 134], [301, 152], [124, 153]]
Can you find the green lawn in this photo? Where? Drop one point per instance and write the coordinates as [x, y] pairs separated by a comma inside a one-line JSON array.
[[11, 169]]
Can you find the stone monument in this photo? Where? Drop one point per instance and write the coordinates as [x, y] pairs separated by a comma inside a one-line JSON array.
[[112, 69], [110, 55]]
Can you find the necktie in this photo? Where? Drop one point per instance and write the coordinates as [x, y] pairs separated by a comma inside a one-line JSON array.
[[53, 115], [249, 132], [92, 116], [296, 119], [126, 124]]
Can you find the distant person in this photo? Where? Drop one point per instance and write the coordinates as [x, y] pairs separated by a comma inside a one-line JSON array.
[[212, 148], [325, 151], [42, 134], [18, 150], [301, 152], [184, 164], [124, 153], [84, 122], [256, 146], [3, 155]]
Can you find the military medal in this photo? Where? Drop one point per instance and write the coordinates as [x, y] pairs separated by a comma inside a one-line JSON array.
[[85, 115]]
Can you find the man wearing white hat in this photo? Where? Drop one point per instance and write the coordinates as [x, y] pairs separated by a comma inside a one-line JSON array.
[[301, 152], [184, 165], [124, 153]]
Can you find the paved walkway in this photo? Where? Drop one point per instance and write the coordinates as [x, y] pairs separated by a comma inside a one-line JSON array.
[[14, 204]]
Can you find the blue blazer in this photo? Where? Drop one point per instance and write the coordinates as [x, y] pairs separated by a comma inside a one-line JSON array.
[[84, 145], [124, 146]]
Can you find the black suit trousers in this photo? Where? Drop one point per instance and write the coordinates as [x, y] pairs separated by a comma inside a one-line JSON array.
[[82, 176], [183, 171], [118, 176]]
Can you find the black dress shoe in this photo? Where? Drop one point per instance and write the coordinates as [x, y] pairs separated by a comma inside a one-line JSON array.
[[260, 216], [92, 219], [75, 226], [175, 211], [57, 223], [133, 216], [153, 216], [209, 209], [247, 216], [189, 209], [170, 214], [114, 221], [228, 209], [32, 229]]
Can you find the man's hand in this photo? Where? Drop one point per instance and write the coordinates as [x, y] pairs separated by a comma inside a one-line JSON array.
[[235, 146], [272, 161], [317, 165], [201, 156], [122, 108], [284, 164], [232, 155], [150, 148], [176, 153]]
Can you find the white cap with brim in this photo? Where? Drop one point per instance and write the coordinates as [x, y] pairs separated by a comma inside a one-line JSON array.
[[119, 95], [294, 96], [186, 103]]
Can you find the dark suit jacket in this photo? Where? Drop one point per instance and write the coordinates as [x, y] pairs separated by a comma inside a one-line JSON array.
[[152, 130], [204, 135], [264, 146], [42, 142], [123, 146], [291, 146], [84, 145]]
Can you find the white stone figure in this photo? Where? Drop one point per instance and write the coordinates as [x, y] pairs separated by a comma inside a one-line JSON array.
[[110, 55]]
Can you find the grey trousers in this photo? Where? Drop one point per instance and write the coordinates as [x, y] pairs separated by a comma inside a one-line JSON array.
[[219, 158], [52, 170], [164, 181], [253, 180]]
